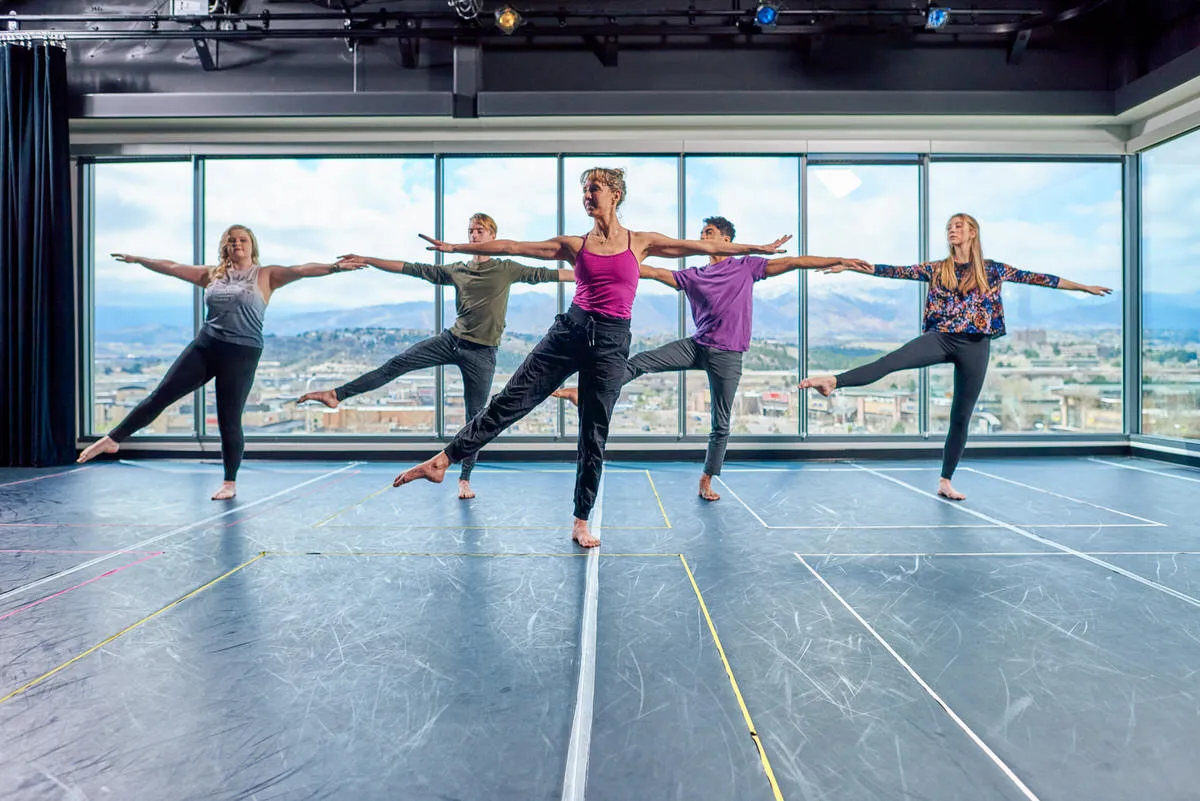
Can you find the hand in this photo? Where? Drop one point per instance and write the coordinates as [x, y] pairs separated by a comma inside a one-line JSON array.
[[126, 258], [1097, 290], [352, 261], [855, 265], [437, 244], [777, 245], [344, 266]]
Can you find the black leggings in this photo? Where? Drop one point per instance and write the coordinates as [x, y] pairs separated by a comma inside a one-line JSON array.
[[594, 345], [969, 355], [476, 362], [204, 358]]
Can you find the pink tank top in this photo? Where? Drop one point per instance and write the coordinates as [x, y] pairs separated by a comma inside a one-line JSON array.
[[606, 284]]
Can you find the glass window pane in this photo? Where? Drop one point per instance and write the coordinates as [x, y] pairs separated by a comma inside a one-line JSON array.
[[649, 405], [142, 319], [761, 197], [521, 195], [322, 332], [1171, 289], [1059, 367], [866, 211]]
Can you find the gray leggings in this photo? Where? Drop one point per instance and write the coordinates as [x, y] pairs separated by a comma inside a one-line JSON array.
[[969, 355], [476, 362], [724, 368]]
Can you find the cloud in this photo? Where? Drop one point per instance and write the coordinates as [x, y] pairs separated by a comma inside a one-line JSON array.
[[1170, 208], [1055, 217], [144, 209]]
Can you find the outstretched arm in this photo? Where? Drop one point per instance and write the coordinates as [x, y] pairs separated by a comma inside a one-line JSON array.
[[282, 276], [656, 244], [826, 263], [566, 276], [1091, 289], [911, 272], [556, 249], [1010, 273], [192, 273], [660, 274], [432, 273]]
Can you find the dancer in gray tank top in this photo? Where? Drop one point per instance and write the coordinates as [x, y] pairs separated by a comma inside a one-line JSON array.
[[236, 293]]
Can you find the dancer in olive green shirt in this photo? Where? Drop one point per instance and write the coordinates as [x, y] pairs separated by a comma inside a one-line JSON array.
[[481, 301]]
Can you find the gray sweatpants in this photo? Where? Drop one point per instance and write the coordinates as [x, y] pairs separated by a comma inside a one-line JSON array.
[[724, 368], [476, 362]]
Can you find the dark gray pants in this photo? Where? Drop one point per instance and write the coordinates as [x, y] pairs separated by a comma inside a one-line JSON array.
[[724, 369], [593, 345], [476, 362], [233, 367], [969, 355]]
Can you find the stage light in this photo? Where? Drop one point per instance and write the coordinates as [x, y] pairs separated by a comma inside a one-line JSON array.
[[936, 18], [508, 19], [766, 15]]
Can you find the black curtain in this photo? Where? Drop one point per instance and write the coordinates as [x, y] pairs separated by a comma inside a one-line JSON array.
[[37, 310]]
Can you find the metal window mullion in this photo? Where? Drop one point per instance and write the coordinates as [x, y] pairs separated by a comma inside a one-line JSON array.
[[1131, 299], [561, 223], [198, 397], [923, 385], [681, 304], [439, 295], [86, 283], [802, 321]]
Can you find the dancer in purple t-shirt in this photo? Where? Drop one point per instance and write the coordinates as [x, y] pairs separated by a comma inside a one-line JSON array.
[[721, 294]]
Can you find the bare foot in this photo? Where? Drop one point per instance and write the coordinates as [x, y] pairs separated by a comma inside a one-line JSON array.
[[947, 491], [465, 493], [228, 490], [825, 384], [706, 490], [570, 393], [580, 533], [102, 445], [325, 396], [431, 470]]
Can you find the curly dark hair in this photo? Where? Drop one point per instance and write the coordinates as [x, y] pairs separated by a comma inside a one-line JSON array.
[[721, 224]]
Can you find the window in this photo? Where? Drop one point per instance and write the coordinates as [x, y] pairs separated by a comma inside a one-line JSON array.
[[142, 319], [761, 197], [322, 332], [649, 405], [1059, 367], [1171, 289], [867, 211], [521, 195]]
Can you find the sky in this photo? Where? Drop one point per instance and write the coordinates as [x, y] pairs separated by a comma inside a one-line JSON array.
[[1061, 217]]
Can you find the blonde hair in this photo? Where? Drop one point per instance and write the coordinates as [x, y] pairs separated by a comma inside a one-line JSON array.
[[976, 278], [225, 252], [612, 177], [484, 220]]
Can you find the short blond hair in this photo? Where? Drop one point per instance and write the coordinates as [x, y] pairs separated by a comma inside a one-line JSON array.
[[483, 219], [612, 177]]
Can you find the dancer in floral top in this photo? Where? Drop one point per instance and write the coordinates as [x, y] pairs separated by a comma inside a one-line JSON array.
[[963, 314]]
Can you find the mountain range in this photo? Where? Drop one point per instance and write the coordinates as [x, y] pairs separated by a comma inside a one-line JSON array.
[[841, 317]]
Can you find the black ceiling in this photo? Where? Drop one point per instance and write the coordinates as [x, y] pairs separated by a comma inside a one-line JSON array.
[[627, 45]]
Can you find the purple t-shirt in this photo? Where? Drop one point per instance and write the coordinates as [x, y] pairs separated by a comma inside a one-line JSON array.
[[722, 298]]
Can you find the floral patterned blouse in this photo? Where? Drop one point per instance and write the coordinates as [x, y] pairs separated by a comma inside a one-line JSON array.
[[976, 312]]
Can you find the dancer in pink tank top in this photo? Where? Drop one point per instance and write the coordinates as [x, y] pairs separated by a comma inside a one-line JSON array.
[[591, 337]]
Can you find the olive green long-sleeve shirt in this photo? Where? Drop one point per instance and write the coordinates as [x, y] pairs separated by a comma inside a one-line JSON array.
[[481, 293]]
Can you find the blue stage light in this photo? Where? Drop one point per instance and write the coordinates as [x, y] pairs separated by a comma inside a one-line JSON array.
[[766, 15], [936, 18]]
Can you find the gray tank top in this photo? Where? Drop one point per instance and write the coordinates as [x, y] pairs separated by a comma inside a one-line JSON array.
[[235, 307]]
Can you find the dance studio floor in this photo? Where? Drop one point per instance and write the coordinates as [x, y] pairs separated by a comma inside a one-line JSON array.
[[828, 630]]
